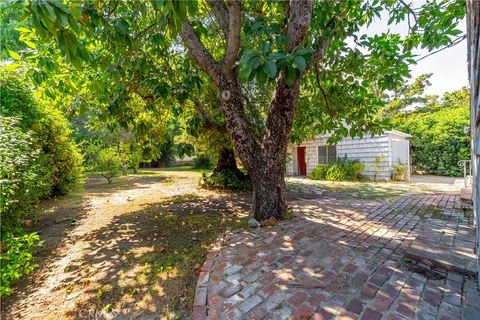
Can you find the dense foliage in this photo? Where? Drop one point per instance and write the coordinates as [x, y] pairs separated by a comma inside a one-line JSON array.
[[311, 52], [400, 171], [16, 258], [20, 186], [60, 158], [438, 127], [38, 159], [342, 169], [226, 180]]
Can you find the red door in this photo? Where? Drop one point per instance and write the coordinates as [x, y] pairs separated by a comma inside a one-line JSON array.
[[301, 160]]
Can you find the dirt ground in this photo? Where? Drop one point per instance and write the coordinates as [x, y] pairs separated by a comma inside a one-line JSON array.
[[131, 249]]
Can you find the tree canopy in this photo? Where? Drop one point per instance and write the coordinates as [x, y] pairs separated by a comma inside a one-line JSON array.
[[263, 57]]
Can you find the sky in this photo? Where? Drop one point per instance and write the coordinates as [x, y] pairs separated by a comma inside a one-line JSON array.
[[449, 67]]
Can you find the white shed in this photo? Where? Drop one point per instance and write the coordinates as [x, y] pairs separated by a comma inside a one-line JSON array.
[[391, 147]]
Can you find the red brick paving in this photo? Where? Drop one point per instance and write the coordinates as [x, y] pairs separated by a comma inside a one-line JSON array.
[[337, 259]]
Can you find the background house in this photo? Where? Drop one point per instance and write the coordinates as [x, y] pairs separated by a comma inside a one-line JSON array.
[[393, 146]]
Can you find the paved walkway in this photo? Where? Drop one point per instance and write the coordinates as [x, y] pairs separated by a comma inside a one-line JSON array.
[[337, 259]]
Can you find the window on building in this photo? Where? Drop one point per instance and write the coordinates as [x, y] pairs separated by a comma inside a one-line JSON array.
[[327, 154]]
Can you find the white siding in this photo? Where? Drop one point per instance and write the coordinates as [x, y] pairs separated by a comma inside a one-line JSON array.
[[365, 149], [291, 165]]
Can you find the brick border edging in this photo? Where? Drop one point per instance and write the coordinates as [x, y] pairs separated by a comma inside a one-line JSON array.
[[439, 264], [200, 299]]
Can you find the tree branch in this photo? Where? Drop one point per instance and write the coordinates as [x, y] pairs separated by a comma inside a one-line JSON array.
[[411, 11], [285, 97], [319, 53], [300, 14], [199, 53], [220, 11], [208, 124], [233, 39], [451, 44]]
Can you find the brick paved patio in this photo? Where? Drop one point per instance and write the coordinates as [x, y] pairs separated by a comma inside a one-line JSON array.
[[337, 259]]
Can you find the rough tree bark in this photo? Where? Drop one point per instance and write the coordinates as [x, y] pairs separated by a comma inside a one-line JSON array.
[[265, 159], [227, 163]]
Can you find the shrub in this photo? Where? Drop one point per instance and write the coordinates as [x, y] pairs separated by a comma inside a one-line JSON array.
[[20, 188], [202, 162], [134, 160], [377, 166], [340, 170], [399, 171], [109, 163], [20, 172], [16, 259], [60, 160], [438, 137], [226, 180], [38, 159]]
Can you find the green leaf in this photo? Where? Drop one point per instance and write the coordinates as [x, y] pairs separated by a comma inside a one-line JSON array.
[[300, 62], [270, 69], [245, 71], [30, 44], [290, 75], [12, 66], [23, 30], [277, 56], [255, 62], [50, 11], [261, 76], [14, 55]]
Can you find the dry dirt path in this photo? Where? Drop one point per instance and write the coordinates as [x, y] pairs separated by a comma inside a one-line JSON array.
[[100, 241]]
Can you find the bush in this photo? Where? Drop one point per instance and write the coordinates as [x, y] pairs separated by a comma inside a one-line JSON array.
[[134, 160], [16, 259], [202, 162], [226, 180], [20, 188], [109, 163], [399, 172], [60, 160], [438, 137], [340, 170], [38, 159], [20, 171]]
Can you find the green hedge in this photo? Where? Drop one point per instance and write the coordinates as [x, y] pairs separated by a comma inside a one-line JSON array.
[[438, 139], [38, 159], [59, 156], [340, 170]]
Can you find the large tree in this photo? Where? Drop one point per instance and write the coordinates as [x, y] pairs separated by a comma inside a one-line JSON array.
[[314, 45]]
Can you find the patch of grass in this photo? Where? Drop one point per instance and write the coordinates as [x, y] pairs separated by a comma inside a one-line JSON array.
[[184, 168], [367, 190], [165, 273]]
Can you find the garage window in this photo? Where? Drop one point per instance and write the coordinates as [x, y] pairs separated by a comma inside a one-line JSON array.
[[327, 154]]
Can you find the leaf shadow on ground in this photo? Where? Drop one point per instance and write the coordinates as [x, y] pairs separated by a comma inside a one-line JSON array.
[[146, 263], [56, 218], [335, 256]]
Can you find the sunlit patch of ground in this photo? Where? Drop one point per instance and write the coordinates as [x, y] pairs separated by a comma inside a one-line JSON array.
[[370, 190], [132, 248]]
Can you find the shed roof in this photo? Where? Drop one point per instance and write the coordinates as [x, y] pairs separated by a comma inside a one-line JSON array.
[[398, 134]]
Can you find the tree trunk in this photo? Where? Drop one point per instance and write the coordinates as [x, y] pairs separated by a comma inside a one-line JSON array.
[[269, 189], [227, 163], [265, 160]]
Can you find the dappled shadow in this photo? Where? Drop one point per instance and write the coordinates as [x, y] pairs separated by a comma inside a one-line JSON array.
[[226, 204], [99, 186], [342, 258], [56, 219], [145, 263]]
